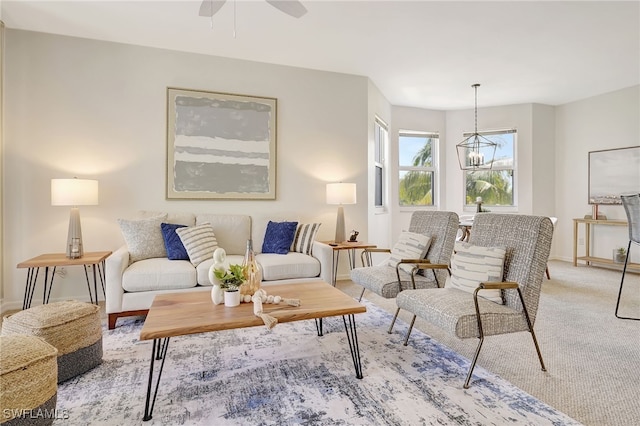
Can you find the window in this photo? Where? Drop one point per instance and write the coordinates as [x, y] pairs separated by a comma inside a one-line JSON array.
[[494, 186], [417, 168], [381, 135]]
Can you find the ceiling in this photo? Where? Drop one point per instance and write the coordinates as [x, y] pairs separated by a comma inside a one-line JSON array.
[[418, 53]]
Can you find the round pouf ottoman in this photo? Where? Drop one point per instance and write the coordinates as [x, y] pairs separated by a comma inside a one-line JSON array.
[[28, 381], [72, 327]]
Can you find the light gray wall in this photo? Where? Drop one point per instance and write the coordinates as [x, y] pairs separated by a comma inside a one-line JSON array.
[[92, 109], [75, 107], [608, 121]]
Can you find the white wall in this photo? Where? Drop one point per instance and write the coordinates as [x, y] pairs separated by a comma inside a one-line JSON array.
[[379, 220], [92, 109], [611, 120]]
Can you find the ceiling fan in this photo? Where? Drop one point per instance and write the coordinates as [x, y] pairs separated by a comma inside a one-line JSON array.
[[290, 7]]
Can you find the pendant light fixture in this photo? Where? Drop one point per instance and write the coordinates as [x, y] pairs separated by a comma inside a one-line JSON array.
[[476, 152]]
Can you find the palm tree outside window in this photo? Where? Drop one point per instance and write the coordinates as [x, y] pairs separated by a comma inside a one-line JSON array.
[[494, 186], [417, 168]]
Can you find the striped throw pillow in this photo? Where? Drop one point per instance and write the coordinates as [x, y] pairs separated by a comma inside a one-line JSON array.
[[304, 237], [410, 245], [199, 241], [472, 265]]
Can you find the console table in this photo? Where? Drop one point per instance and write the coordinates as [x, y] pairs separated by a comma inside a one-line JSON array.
[[587, 258], [53, 260]]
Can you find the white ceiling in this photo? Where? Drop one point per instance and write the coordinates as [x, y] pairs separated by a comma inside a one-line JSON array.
[[418, 53]]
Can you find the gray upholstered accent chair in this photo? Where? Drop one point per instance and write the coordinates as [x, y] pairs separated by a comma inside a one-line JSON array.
[[631, 205], [527, 240], [387, 281]]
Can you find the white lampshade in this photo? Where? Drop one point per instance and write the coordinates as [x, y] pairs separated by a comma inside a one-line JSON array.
[[341, 193], [74, 192]]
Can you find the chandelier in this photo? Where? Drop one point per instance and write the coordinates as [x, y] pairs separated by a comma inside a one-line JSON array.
[[476, 152]]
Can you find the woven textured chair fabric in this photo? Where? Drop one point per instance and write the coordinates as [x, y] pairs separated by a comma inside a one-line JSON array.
[[453, 310], [441, 227], [383, 280], [631, 205], [527, 240]]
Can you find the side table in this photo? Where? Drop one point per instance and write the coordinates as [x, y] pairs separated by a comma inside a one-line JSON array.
[[351, 248], [95, 260]]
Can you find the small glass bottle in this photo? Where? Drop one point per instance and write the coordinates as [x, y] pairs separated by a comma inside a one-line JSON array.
[[252, 271]]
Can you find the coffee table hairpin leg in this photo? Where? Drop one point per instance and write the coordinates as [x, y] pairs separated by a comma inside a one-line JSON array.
[[352, 337], [158, 352]]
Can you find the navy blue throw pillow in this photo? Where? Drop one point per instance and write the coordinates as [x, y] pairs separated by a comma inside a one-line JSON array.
[[278, 237], [172, 242]]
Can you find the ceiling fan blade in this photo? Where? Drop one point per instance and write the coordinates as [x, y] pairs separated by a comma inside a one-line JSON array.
[[210, 7], [290, 7]]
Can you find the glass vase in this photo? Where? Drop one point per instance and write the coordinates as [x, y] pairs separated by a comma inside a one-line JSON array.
[[252, 271]]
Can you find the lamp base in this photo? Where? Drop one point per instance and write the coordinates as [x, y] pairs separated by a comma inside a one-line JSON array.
[[74, 237], [341, 235]]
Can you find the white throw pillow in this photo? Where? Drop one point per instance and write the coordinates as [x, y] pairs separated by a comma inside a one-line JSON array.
[[304, 237], [410, 245], [143, 237], [472, 265], [199, 241]]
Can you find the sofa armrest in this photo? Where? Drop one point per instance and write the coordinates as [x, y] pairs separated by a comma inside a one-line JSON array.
[[115, 266], [324, 254]]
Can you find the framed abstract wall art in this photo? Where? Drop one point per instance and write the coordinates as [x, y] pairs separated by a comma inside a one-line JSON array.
[[613, 172], [220, 145]]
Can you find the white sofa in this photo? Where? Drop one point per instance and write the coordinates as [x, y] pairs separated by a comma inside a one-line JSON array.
[[131, 287]]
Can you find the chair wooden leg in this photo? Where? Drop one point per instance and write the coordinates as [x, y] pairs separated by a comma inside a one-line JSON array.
[[547, 271], [406, 339], [624, 270]]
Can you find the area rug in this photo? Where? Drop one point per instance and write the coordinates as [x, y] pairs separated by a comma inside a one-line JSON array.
[[291, 376]]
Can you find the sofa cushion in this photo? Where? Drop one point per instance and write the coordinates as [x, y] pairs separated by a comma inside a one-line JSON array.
[[202, 270], [278, 237], [172, 242], [287, 266], [159, 274], [200, 242], [472, 265], [410, 245], [143, 237], [304, 237], [232, 230]]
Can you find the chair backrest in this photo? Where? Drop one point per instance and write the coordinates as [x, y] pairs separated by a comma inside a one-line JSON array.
[[442, 227], [631, 205], [527, 240]]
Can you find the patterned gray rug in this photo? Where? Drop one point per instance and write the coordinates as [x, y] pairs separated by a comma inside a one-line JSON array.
[[290, 376]]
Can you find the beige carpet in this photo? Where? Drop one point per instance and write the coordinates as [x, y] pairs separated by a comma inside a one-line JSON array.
[[592, 357]]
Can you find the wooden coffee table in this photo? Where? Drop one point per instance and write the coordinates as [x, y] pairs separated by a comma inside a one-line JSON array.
[[179, 314]]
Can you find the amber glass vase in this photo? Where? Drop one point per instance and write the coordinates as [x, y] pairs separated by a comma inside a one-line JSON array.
[[252, 271]]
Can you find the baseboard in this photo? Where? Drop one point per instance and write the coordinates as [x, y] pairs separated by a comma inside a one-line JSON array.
[[16, 305]]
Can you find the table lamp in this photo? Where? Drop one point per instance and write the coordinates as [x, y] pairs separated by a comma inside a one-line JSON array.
[[341, 193], [74, 192]]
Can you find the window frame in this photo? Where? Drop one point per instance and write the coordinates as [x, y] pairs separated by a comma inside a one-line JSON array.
[[513, 168], [381, 144], [433, 169]]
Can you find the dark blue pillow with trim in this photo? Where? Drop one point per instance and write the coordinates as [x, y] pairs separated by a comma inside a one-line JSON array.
[[172, 242], [278, 237]]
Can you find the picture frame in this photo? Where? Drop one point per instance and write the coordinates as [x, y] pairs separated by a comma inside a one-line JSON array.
[[613, 172], [220, 145]]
